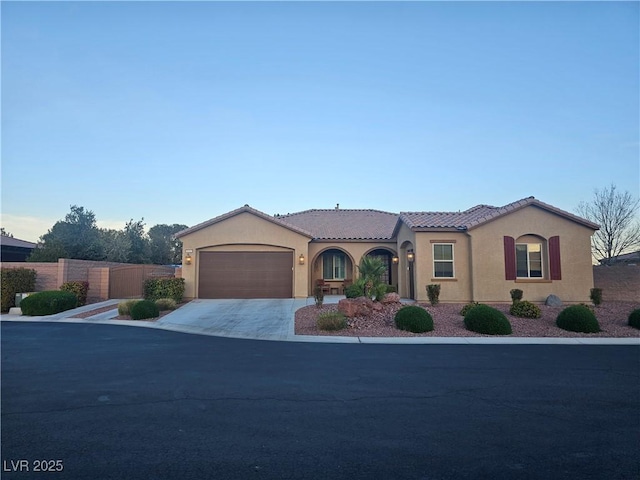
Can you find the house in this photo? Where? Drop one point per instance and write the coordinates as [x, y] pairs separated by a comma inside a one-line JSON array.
[[476, 255], [632, 258], [15, 250]]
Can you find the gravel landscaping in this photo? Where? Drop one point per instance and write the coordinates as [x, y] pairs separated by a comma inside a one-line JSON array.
[[612, 316]]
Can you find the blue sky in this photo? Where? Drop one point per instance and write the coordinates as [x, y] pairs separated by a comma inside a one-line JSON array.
[[179, 112]]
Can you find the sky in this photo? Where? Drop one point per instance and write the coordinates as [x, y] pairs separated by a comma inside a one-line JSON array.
[[177, 112]]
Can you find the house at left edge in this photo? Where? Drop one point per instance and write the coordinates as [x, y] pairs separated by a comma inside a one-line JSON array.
[[479, 254], [15, 250]]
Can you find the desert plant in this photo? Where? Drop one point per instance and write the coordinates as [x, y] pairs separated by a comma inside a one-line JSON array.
[[487, 320], [371, 270], [525, 309], [392, 289], [433, 292], [144, 309], [48, 303], [596, 296], [413, 319], [155, 288], [578, 318], [516, 295], [468, 307], [331, 321], [79, 288], [166, 304], [124, 308], [318, 295], [634, 318], [16, 280], [354, 290]]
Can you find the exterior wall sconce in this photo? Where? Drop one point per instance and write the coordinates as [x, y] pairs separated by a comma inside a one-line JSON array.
[[395, 259], [187, 259], [411, 256], [301, 259]]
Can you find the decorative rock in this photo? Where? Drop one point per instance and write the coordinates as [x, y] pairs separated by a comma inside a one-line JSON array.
[[356, 307], [390, 298], [553, 301]]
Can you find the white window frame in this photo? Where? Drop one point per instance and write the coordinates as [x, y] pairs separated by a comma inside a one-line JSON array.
[[333, 266], [528, 256], [452, 261]]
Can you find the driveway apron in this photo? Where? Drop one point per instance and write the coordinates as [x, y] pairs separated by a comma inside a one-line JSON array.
[[266, 319]]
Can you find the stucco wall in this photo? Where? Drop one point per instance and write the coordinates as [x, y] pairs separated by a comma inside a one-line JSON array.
[[618, 282], [244, 232], [487, 257]]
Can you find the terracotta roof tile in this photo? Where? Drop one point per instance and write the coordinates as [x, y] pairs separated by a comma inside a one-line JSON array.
[[344, 224]]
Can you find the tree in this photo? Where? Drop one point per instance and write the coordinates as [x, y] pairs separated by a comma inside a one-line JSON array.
[[74, 237], [165, 249], [116, 245], [371, 270], [615, 212], [139, 242], [5, 233]]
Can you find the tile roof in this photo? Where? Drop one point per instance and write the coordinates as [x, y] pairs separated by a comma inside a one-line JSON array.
[[344, 224], [16, 242]]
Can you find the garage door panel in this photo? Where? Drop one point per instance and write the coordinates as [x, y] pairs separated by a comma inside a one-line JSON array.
[[245, 275]]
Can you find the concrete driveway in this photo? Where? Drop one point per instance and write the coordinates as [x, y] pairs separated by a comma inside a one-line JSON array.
[[264, 319]]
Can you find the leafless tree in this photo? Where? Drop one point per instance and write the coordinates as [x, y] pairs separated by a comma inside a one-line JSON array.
[[615, 212]]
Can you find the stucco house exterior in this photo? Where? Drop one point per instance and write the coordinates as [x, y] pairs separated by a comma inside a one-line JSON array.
[[479, 254]]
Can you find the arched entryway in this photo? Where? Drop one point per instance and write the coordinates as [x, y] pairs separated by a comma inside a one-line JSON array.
[[334, 267], [390, 277], [407, 271]]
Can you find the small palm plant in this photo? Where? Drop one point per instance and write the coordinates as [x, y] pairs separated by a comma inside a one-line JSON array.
[[371, 270]]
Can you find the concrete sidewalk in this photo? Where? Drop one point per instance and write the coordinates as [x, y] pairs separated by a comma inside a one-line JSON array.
[[274, 319]]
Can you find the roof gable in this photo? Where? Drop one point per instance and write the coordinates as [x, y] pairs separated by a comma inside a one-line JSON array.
[[238, 211]]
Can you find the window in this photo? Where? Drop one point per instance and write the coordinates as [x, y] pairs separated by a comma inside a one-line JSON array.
[[443, 260], [529, 260], [334, 266]]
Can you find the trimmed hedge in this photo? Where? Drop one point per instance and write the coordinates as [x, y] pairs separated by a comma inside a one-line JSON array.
[[144, 309], [634, 318], [16, 280], [48, 303], [525, 309], [468, 307], [487, 320], [578, 318], [331, 321], [413, 319], [156, 288], [79, 288]]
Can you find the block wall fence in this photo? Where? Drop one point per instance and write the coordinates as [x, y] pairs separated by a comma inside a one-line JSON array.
[[619, 283]]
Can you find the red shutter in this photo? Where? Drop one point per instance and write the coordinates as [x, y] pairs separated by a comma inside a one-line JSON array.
[[555, 272], [509, 258]]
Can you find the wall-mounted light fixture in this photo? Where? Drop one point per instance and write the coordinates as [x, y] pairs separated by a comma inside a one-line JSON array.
[[301, 259], [395, 259], [410, 256], [187, 259]]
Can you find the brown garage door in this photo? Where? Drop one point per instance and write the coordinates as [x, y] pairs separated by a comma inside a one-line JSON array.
[[246, 275]]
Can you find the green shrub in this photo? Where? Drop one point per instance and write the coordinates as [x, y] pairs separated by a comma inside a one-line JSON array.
[[468, 307], [331, 321], [16, 280], [354, 290], [487, 320], [413, 319], [596, 296], [516, 295], [124, 308], [155, 288], [392, 289], [166, 304], [634, 318], [525, 309], [144, 309], [433, 292], [318, 295], [379, 291], [79, 288], [48, 303], [578, 318]]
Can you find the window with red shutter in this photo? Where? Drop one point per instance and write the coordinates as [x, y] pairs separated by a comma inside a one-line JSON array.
[[509, 258], [555, 271]]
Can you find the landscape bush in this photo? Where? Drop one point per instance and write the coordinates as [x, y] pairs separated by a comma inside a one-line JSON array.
[[392, 289], [318, 295], [468, 307], [155, 288], [331, 321], [79, 288], [596, 296], [124, 308], [525, 309], [48, 303], [634, 318], [433, 292], [144, 309], [15, 280], [516, 295], [166, 304], [354, 290], [413, 319], [487, 320], [578, 318]]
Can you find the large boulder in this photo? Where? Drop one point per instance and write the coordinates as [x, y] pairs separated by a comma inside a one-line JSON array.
[[553, 301], [390, 298], [355, 307]]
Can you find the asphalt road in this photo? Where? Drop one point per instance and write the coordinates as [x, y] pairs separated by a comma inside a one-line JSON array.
[[109, 402]]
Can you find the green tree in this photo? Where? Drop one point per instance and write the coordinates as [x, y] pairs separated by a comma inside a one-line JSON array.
[[139, 251], [165, 249], [116, 245], [74, 237], [371, 270]]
